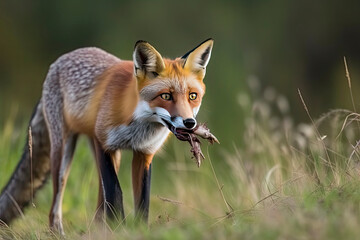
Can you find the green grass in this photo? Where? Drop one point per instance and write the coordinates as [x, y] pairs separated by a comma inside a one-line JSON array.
[[286, 181]]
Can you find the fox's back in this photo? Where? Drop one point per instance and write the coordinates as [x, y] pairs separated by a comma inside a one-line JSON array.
[[76, 74]]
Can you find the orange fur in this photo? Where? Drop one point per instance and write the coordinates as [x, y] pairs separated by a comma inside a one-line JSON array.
[[140, 163], [112, 103], [119, 97]]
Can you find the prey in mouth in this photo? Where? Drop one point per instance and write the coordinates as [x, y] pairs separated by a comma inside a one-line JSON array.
[[181, 132]]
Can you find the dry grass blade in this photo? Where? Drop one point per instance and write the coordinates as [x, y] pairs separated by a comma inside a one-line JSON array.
[[15, 204], [182, 204], [228, 206], [347, 74], [169, 200], [357, 116], [268, 196], [317, 132], [353, 152]]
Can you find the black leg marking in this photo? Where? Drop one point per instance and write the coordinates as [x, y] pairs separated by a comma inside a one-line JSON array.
[[143, 208], [113, 204]]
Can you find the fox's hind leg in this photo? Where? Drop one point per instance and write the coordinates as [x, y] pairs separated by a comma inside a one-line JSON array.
[[60, 172], [62, 142], [62, 150]]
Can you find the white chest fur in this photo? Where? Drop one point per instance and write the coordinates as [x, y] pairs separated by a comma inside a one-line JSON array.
[[145, 133], [146, 137]]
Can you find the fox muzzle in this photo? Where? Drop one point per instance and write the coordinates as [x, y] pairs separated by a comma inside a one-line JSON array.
[[189, 123]]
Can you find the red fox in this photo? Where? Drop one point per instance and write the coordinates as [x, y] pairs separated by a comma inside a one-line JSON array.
[[119, 105]]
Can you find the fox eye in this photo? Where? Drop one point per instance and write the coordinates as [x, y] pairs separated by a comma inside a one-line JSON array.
[[192, 96], [166, 96]]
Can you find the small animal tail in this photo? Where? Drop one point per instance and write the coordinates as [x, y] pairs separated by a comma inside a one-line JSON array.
[[30, 173]]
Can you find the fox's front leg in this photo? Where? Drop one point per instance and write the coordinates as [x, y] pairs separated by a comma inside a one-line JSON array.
[[141, 177], [112, 194], [116, 158]]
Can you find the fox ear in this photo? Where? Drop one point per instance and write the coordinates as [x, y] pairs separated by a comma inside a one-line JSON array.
[[147, 59], [197, 59]]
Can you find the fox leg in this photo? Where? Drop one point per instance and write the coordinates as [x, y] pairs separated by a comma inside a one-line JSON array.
[[62, 144], [111, 201], [116, 158], [61, 157], [141, 177], [99, 206]]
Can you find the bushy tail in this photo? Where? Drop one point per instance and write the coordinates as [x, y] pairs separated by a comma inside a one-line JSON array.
[[24, 183]]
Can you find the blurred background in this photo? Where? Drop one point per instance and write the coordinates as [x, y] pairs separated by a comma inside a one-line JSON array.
[[264, 52], [261, 47]]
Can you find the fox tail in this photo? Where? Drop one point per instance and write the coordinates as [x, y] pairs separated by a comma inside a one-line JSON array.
[[31, 172]]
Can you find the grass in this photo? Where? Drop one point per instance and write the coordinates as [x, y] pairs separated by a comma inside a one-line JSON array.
[[287, 181]]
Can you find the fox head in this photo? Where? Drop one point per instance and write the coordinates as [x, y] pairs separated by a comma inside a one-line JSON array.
[[171, 90]]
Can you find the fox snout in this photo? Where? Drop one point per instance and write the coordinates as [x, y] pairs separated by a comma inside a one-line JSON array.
[[164, 117], [189, 123], [179, 122]]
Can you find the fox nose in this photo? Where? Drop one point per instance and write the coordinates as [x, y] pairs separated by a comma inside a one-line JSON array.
[[190, 123]]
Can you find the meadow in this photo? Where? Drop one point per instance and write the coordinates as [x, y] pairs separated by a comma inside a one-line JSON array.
[[288, 180]]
